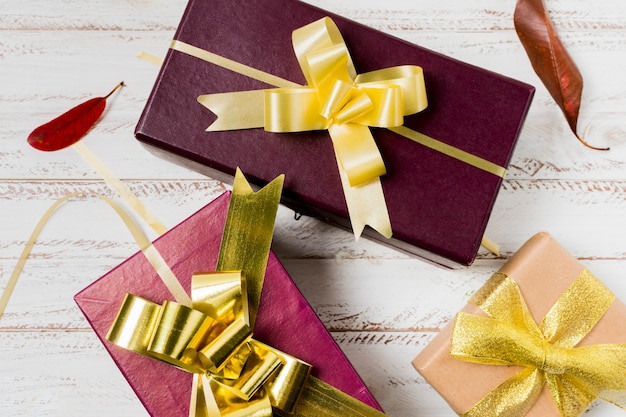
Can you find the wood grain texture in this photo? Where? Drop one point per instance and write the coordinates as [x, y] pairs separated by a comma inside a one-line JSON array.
[[381, 306]]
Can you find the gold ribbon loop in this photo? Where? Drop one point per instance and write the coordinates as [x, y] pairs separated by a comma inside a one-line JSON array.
[[221, 349], [173, 331], [289, 382], [134, 324], [575, 376], [221, 295], [259, 368]]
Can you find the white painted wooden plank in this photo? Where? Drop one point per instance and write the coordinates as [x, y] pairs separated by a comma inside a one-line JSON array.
[[523, 208], [61, 373], [399, 15], [587, 217]]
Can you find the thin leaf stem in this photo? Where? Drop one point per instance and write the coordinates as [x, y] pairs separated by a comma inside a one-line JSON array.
[[591, 146], [121, 84]]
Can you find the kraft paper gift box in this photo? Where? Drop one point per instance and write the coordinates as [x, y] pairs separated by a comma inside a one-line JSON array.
[[285, 320], [545, 272], [438, 205]]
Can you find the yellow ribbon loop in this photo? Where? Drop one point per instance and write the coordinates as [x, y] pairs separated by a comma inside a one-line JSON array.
[[340, 101], [575, 376]]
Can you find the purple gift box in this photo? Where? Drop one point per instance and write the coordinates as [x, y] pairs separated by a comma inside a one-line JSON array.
[[438, 205]]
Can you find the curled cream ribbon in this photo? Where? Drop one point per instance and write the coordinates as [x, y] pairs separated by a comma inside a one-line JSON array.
[[142, 241], [335, 99], [111, 179], [133, 202], [575, 376]]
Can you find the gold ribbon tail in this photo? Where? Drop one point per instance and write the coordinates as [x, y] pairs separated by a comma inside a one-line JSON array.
[[250, 224], [320, 399]]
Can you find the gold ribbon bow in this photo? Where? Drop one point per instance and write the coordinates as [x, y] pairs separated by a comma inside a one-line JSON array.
[[212, 337], [213, 341], [210, 334], [575, 376], [335, 99]]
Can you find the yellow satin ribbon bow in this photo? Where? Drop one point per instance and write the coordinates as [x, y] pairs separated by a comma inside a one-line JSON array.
[[575, 376], [232, 371], [335, 99]]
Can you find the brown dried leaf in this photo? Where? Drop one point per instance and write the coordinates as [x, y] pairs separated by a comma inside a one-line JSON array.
[[550, 60]]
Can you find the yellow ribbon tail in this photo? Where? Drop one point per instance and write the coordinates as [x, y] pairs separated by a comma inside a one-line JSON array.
[[150, 58], [490, 245], [238, 110], [292, 110], [366, 206], [365, 201], [357, 153]]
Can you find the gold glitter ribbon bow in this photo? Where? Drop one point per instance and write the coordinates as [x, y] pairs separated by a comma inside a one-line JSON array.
[[335, 99], [575, 376], [233, 373]]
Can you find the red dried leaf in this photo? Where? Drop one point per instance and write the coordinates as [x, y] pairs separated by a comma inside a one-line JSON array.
[[550, 60], [69, 127]]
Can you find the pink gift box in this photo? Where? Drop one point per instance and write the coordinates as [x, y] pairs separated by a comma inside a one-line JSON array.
[[285, 319]]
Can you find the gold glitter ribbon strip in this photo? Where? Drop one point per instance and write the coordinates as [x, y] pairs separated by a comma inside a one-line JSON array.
[[233, 373], [337, 99], [575, 376]]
